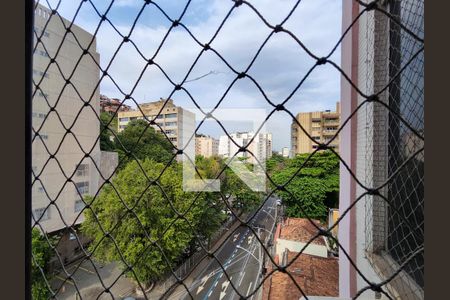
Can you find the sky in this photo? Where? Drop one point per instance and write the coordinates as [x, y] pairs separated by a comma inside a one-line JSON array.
[[278, 69]]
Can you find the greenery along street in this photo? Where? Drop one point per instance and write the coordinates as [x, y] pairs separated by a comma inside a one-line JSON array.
[[42, 253], [155, 223], [312, 183]]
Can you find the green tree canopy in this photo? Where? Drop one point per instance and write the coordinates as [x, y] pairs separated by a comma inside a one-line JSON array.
[[152, 214], [41, 255], [152, 145], [314, 189], [106, 136]]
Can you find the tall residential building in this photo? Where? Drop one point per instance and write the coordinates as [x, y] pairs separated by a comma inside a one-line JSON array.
[[171, 119], [206, 146], [261, 146], [384, 231], [285, 152], [320, 125], [52, 138]]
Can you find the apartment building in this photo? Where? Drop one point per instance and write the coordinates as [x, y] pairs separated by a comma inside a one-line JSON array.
[[206, 146], [285, 152], [56, 154], [167, 116], [383, 233], [260, 147], [322, 126]]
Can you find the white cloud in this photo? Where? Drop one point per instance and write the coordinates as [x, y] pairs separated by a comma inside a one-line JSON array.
[[278, 69]]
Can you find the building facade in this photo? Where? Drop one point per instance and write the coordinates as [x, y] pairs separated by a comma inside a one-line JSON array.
[[285, 152], [260, 146], [168, 117], [62, 175], [383, 233], [322, 126], [52, 184], [206, 146]]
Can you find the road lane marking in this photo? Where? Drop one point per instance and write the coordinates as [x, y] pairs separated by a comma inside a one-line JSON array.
[[200, 288], [225, 285], [222, 294], [64, 279], [249, 287], [89, 271], [226, 265]]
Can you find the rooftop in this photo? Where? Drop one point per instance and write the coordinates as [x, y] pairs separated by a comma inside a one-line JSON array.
[[301, 230], [316, 276]]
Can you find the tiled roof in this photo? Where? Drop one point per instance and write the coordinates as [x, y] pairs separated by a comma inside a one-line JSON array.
[[316, 276], [300, 230]]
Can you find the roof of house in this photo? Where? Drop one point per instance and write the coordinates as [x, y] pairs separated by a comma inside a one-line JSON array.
[[316, 276], [300, 230]]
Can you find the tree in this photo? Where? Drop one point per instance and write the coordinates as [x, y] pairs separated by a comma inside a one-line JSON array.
[[244, 198], [276, 163], [314, 189], [152, 214], [106, 136], [152, 145], [41, 255]]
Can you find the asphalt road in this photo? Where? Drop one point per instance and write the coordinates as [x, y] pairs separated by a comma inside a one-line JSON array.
[[241, 256]]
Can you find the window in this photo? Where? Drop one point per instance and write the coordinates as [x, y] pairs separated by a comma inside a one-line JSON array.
[[122, 126], [406, 98], [42, 53], [82, 187], [39, 115], [42, 213], [171, 116], [316, 120], [331, 120], [133, 118], [171, 123], [126, 119], [40, 73], [82, 170], [173, 139], [395, 227], [317, 138], [41, 136], [42, 94], [160, 116], [169, 131], [39, 32], [79, 205]]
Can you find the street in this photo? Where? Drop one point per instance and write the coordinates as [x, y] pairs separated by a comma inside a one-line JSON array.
[[241, 256]]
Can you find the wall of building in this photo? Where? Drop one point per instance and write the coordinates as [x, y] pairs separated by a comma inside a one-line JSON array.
[[170, 120], [294, 246], [259, 150], [206, 146], [319, 125], [69, 153]]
